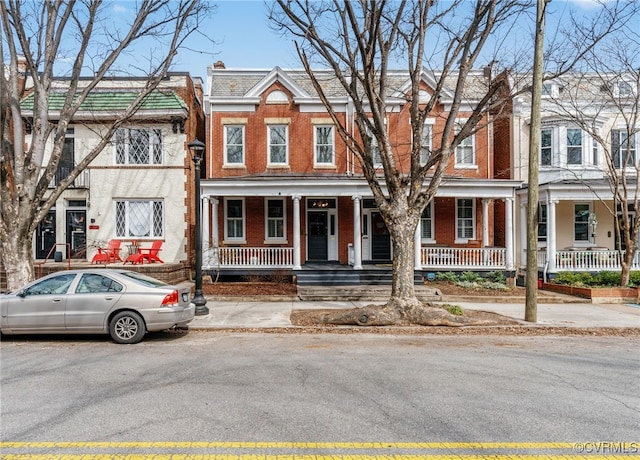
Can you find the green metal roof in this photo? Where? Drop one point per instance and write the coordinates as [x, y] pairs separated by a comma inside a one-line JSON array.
[[113, 101]]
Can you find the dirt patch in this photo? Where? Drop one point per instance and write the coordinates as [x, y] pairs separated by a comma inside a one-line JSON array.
[[243, 289]]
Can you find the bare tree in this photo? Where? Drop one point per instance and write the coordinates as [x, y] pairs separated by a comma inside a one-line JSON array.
[[603, 101], [74, 38], [359, 41]]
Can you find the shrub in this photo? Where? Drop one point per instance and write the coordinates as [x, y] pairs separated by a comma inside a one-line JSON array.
[[496, 286], [496, 277], [634, 279], [471, 277], [606, 279], [447, 277], [454, 309]]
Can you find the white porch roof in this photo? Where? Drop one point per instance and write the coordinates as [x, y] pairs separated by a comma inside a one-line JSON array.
[[573, 190]]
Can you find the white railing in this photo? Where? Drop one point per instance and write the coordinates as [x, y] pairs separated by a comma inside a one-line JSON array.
[[255, 257], [587, 260], [464, 258]]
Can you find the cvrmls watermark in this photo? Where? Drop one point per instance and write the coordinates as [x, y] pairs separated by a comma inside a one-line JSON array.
[[607, 447]]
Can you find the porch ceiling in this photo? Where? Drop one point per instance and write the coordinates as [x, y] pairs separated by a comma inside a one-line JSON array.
[[346, 186], [574, 190]]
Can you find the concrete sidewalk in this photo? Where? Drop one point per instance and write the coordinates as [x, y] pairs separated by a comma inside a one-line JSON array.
[[266, 314]]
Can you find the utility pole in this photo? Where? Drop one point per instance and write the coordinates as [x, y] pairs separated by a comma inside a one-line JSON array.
[[531, 307]]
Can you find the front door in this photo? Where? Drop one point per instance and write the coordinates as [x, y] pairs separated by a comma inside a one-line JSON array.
[[46, 235], [77, 234], [380, 238], [317, 235]]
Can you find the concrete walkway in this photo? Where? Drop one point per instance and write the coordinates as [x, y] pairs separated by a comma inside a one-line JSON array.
[[274, 314]]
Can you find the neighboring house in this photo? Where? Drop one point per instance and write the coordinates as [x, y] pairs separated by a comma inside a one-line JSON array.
[[283, 191], [584, 127], [139, 189]]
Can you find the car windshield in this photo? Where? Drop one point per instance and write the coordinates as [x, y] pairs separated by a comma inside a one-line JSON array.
[[143, 279]]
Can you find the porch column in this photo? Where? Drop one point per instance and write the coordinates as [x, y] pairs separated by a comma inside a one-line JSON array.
[[296, 232], [214, 221], [523, 234], [417, 248], [205, 223], [551, 236], [485, 223], [508, 236], [357, 234]]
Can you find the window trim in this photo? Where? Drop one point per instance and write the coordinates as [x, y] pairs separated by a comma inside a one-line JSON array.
[[568, 146], [464, 240], [159, 135], [270, 145], [127, 224], [275, 239], [226, 128], [243, 238], [586, 242], [317, 163], [426, 240], [549, 147], [473, 164]]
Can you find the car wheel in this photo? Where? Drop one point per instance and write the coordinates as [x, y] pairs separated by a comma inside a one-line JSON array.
[[127, 327]]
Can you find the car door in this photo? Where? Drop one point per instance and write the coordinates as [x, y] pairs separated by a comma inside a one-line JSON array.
[[94, 297], [40, 306]]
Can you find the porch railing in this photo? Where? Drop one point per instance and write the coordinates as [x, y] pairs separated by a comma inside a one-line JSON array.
[[255, 257], [464, 258], [587, 260]]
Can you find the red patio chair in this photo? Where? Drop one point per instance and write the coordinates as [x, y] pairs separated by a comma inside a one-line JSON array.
[[148, 254], [109, 254]]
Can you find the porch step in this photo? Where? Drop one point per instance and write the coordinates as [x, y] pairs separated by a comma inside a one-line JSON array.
[[364, 292], [349, 277]]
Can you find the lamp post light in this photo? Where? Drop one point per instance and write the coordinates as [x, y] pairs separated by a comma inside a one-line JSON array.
[[197, 148]]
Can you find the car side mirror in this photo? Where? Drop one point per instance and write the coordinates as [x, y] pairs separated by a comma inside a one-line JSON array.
[[22, 293]]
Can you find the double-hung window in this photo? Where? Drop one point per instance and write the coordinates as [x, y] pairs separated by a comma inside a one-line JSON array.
[[574, 146], [234, 219], [234, 145], [623, 148], [138, 146], [275, 214], [425, 144], [278, 150], [139, 218], [465, 151], [465, 218], [426, 224], [545, 147], [324, 145], [542, 222]]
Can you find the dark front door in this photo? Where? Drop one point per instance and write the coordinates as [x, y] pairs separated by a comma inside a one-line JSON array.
[[77, 234], [380, 239], [46, 235], [317, 235]]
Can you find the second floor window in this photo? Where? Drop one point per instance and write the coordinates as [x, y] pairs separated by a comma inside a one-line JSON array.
[[139, 219], [623, 149], [324, 145], [234, 144], [277, 144], [425, 145], [465, 155], [138, 146], [574, 146], [545, 147]]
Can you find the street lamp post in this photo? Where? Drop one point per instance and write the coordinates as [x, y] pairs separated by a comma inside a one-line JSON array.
[[197, 148]]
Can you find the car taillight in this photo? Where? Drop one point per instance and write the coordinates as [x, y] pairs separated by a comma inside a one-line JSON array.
[[171, 299]]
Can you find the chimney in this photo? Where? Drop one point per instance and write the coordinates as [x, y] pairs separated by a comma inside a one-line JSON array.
[[219, 65], [22, 64]]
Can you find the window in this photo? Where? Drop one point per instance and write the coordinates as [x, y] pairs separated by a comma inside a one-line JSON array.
[[623, 148], [465, 154], [465, 228], [277, 138], [574, 146], [139, 219], [624, 89], [324, 145], [234, 144], [426, 224], [275, 219], [92, 282], [54, 285], [545, 147], [547, 89], [426, 145], [581, 222], [542, 222], [595, 150], [234, 217], [138, 146]]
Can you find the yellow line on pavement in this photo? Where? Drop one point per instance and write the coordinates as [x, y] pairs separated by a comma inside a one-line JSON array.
[[306, 457], [282, 445]]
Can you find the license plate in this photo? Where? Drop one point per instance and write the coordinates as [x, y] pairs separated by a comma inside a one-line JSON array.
[[185, 297]]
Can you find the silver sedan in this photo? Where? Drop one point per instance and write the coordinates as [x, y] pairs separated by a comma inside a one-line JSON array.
[[122, 303]]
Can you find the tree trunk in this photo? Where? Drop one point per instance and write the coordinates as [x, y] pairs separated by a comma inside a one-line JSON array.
[[18, 260], [403, 295]]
